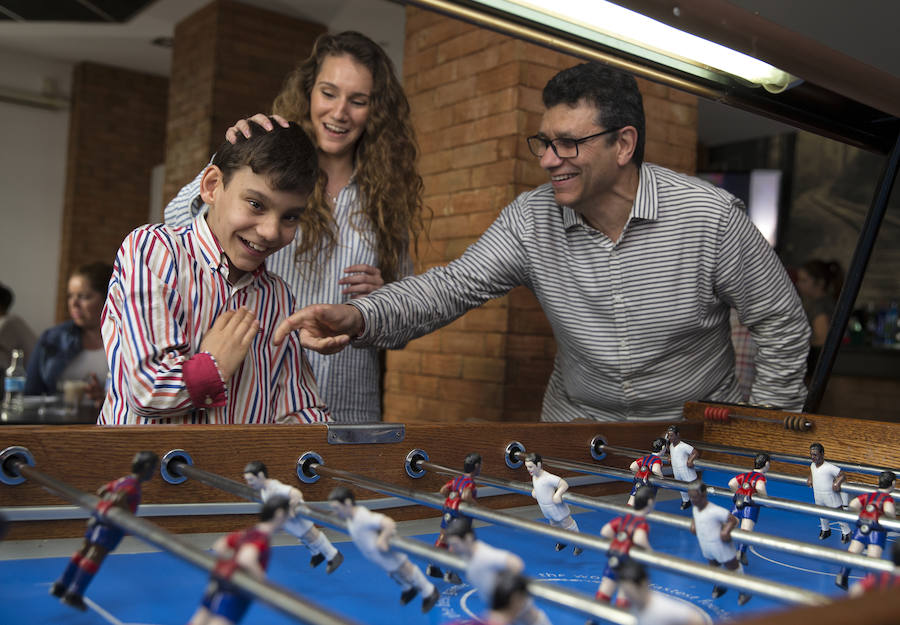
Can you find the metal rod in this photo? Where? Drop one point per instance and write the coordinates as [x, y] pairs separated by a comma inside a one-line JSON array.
[[545, 590], [850, 487], [755, 585], [861, 255], [269, 593], [768, 502], [785, 545], [851, 467]]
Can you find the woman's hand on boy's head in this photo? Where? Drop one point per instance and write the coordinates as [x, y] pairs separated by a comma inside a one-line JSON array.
[[229, 339], [241, 126], [324, 328]]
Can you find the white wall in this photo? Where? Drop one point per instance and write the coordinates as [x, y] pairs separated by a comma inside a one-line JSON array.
[[32, 181]]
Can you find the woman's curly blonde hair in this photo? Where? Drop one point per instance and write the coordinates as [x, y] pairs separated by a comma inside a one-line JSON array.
[[389, 184]]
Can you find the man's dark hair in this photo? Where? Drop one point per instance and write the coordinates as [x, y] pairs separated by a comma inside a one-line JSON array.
[[341, 494], [144, 462], [507, 585], [818, 447], [631, 571], [614, 94], [285, 156], [886, 478], [273, 505], [6, 298], [255, 467], [533, 458], [643, 496], [760, 461], [459, 527], [471, 461]]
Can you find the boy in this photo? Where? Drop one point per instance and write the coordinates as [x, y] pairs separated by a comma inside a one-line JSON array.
[[190, 313]]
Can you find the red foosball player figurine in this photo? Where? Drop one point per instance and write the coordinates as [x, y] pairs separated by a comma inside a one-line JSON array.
[[647, 465], [879, 581], [625, 531], [745, 486], [869, 532], [459, 489], [101, 536], [247, 550]]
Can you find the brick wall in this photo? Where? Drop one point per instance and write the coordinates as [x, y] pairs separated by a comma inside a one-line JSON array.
[[116, 137], [229, 61], [475, 95]]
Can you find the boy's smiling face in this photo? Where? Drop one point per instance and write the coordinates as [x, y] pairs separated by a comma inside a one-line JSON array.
[[249, 218]]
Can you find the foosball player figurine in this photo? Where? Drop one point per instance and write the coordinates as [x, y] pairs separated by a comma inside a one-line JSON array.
[[713, 524], [648, 606], [485, 563], [825, 480], [745, 486], [246, 550], [101, 536], [682, 457], [879, 581], [509, 601], [548, 489], [460, 489], [623, 532], [647, 465], [371, 533], [257, 477], [869, 532]]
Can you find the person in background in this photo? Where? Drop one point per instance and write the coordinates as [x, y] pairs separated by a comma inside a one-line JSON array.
[[366, 209], [73, 350], [819, 284], [14, 332]]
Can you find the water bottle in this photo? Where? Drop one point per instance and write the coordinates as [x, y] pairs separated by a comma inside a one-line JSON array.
[[14, 384]]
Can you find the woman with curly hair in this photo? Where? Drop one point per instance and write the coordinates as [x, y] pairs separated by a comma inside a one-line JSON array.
[[366, 209]]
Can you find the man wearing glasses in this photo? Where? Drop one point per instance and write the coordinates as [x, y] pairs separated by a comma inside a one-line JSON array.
[[635, 266]]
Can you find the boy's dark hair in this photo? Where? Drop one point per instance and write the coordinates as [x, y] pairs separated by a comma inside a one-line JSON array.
[[760, 461], [285, 156], [341, 494], [459, 527], [273, 505], [255, 467], [471, 460], [6, 298], [614, 94], [642, 497], [886, 478]]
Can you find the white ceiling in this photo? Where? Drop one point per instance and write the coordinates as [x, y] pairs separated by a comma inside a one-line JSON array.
[[864, 29]]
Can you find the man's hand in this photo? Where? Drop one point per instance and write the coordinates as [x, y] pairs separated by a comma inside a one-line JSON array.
[[229, 340], [325, 328]]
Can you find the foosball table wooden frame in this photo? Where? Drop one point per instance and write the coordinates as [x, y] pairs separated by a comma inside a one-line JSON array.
[[87, 456]]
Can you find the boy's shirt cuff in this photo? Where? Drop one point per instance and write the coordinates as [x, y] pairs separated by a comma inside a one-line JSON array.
[[203, 381]]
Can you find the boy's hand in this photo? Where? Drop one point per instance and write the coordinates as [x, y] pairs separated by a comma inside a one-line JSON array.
[[325, 328], [229, 340], [241, 126], [363, 279]]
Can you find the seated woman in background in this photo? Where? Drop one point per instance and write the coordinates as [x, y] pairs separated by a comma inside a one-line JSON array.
[[819, 284], [73, 349]]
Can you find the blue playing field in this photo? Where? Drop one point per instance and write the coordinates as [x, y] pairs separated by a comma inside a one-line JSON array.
[[156, 588]]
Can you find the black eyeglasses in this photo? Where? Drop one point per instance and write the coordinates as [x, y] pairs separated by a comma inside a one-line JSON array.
[[563, 147]]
